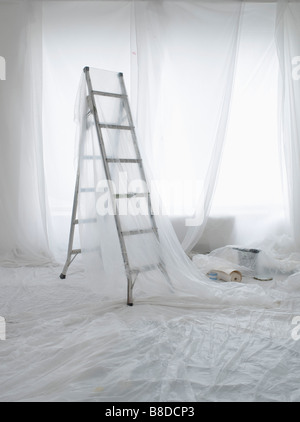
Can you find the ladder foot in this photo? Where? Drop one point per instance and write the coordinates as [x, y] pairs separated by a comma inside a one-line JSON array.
[[62, 276]]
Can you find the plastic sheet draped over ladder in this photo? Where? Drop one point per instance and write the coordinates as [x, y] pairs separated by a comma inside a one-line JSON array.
[[114, 149]]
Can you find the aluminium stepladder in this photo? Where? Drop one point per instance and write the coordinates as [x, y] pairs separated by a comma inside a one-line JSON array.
[[131, 271]]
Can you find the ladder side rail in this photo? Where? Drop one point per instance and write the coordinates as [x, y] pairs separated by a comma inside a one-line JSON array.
[[72, 226]]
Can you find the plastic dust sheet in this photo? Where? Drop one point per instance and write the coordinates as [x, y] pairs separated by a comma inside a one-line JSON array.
[[202, 340], [196, 339], [99, 237], [63, 343]]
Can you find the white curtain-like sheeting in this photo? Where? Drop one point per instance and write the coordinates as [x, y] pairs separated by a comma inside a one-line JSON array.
[[23, 236], [187, 51], [248, 207], [181, 349], [146, 40], [288, 47], [99, 239], [111, 35], [75, 34]]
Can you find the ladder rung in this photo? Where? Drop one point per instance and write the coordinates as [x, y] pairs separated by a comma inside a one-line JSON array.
[[88, 190], [119, 195], [112, 160], [86, 221], [124, 160], [92, 157], [135, 232], [145, 268], [121, 127], [109, 94], [76, 251], [132, 195]]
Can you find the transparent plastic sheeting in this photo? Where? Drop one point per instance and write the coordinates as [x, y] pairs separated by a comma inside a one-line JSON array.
[[99, 240], [62, 344], [254, 264]]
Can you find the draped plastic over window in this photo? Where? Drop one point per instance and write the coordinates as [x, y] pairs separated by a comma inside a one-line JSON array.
[[180, 61], [99, 238]]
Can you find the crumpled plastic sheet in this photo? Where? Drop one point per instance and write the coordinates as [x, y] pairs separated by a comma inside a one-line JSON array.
[[64, 344]]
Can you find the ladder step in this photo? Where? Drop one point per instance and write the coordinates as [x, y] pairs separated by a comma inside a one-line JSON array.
[[109, 94], [92, 157], [76, 251], [145, 268], [121, 127], [112, 160], [124, 160], [88, 190], [135, 232], [86, 221], [131, 195], [120, 195]]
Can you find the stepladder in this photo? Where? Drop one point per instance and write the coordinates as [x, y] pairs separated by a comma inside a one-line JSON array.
[[111, 183]]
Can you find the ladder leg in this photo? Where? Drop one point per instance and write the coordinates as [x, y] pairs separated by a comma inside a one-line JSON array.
[[72, 228], [129, 291]]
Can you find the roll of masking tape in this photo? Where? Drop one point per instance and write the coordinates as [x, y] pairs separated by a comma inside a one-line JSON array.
[[228, 275]]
